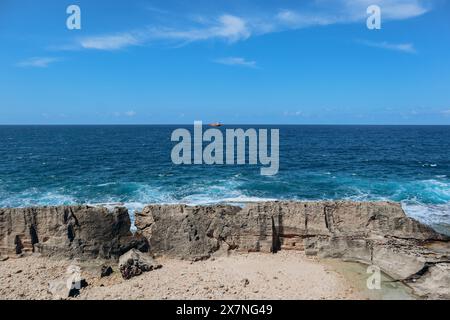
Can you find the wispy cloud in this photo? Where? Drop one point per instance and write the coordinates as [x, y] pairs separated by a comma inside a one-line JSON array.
[[297, 113], [130, 113], [226, 27], [37, 62], [328, 12], [402, 47], [110, 42], [236, 61], [232, 28], [390, 9], [292, 19]]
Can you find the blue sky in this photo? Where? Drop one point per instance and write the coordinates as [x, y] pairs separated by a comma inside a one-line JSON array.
[[279, 62]]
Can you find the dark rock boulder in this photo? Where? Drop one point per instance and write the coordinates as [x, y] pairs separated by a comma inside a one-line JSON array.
[[134, 263], [106, 271]]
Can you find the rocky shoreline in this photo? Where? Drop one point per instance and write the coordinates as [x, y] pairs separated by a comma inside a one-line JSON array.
[[372, 233]]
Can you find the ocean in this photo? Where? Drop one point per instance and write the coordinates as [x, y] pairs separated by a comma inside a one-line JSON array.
[[131, 165]]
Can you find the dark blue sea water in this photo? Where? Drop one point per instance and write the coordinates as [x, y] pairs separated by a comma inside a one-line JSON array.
[[51, 165]]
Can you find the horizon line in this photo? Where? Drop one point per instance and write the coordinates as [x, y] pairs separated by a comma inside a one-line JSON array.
[[224, 125]]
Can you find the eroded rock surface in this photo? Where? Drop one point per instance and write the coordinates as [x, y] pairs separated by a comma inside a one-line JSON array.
[[70, 231], [371, 233], [377, 234], [134, 263]]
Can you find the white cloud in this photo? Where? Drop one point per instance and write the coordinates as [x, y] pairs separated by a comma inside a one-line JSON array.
[[295, 20], [37, 62], [403, 47], [236, 61], [329, 12], [110, 42], [130, 113], [390, 9], [298, 113], [226, 27], [230, 28], [233, 28]]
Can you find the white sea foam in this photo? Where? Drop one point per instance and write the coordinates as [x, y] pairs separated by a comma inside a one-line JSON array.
[[425, 200], [106, 184], [430, 165], [245, 199], [434, 215], [33, 197], [240, 199]]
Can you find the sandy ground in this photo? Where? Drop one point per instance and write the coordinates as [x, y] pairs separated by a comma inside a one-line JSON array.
[[286, 275]]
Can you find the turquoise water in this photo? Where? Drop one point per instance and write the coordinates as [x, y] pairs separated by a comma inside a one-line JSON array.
[[52, 165]]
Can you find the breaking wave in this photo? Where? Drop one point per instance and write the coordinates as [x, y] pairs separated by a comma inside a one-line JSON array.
[[427, 201]]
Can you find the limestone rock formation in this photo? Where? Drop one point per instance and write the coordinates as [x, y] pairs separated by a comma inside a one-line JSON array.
[[376, 233], [186, 232], [371, 233], [70, 231]]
